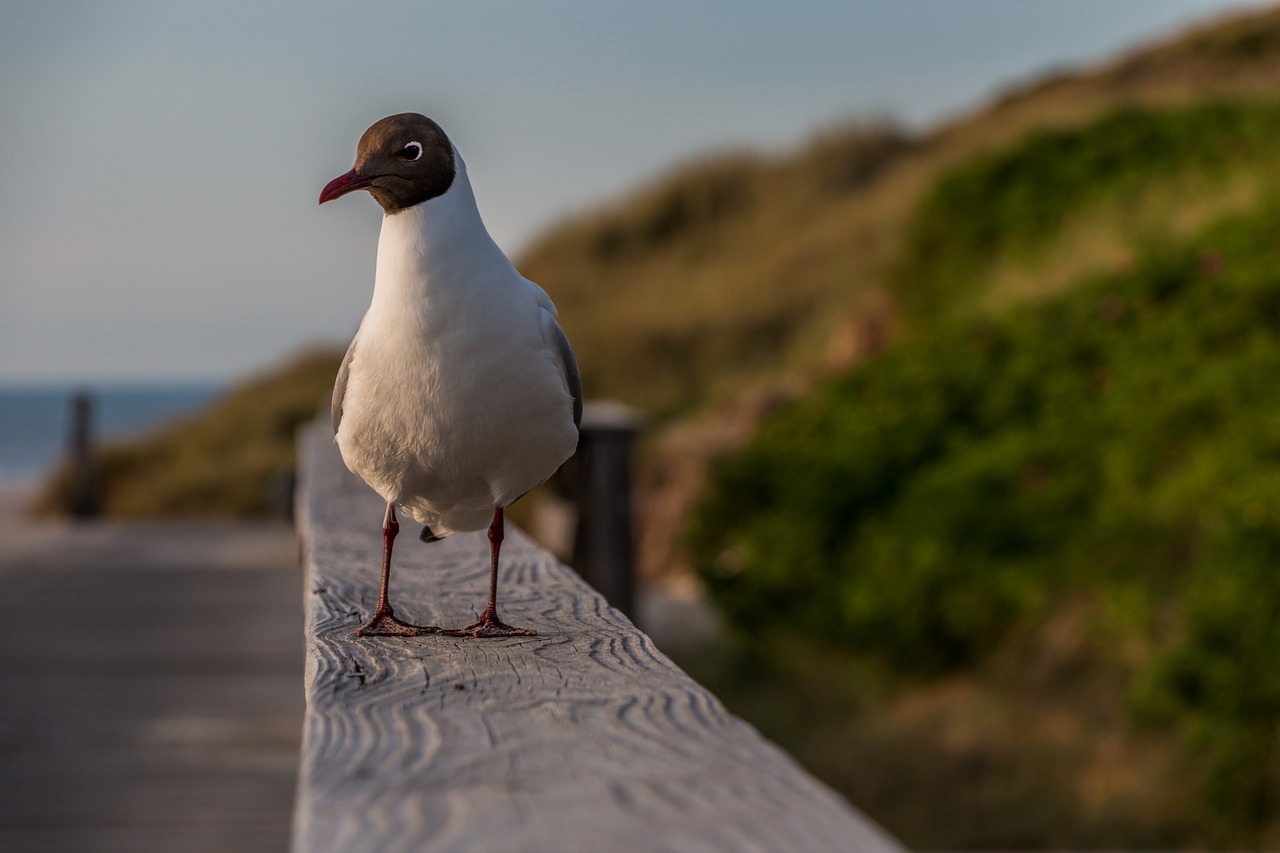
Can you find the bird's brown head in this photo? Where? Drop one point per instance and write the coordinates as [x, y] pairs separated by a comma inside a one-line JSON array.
[[402, 160]]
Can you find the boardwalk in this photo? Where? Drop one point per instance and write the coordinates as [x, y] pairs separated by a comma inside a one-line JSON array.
[[150, 686]]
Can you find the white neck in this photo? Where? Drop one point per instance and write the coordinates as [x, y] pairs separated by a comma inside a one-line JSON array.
[[437, 244]]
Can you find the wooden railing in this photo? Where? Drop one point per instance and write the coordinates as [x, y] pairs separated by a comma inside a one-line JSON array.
[[582, 738]]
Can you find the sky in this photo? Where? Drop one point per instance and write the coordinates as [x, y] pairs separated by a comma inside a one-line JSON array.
[[160, 161]]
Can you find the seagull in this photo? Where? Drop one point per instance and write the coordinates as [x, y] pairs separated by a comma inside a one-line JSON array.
[[459, 392]]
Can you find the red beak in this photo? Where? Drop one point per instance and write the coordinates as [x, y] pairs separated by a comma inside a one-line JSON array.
[[343, 184]]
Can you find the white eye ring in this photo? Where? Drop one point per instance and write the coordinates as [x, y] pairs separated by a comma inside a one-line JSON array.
[[411, 151]]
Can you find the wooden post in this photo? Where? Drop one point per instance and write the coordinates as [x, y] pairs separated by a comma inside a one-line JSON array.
[[585, 737], [84, 492], [600, 488]]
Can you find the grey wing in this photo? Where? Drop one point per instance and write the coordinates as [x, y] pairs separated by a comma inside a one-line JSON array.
[[340, 386], [568, 364]]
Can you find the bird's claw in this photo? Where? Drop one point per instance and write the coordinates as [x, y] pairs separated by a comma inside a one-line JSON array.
[[488, 626], [385, 624]]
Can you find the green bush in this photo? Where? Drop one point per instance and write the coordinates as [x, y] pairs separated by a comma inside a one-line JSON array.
[[1013, 200], [1120, 445]]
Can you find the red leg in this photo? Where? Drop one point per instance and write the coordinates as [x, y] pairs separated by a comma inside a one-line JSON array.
[[384, 622], [490, 625]]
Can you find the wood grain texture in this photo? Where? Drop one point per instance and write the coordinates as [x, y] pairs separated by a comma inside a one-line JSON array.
[[149, 695], [585, 737]]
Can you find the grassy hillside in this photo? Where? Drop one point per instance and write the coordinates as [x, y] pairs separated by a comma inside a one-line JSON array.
[[222, 461], [1099, 468], [772, 262], [1027, 221], [700, 284]]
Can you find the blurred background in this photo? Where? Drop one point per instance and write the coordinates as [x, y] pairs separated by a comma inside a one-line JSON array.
[[954, 327]]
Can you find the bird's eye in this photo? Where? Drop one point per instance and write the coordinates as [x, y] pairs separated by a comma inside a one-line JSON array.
[[412, 151]]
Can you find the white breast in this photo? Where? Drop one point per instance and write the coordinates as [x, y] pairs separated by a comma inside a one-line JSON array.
[[454, 403]]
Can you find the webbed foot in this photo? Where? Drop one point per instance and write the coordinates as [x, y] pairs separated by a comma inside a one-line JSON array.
[[385, 624], [488, 626]]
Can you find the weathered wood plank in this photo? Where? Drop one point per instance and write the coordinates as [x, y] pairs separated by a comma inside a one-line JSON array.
[[149, 695], [582, 738]]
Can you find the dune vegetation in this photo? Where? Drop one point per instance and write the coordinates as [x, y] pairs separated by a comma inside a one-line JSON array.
[[968, 433], [1112, 455], [1041, 528]]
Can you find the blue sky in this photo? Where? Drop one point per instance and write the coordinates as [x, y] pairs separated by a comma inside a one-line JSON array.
[[160, 161]]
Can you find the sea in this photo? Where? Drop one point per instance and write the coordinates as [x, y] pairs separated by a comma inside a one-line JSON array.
[[35, 421]]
